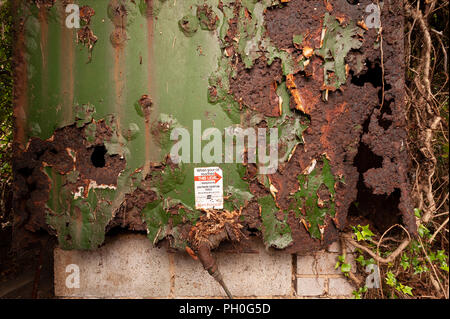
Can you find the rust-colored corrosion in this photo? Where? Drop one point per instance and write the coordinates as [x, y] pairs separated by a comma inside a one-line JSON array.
[[66, 151], [259, 95], [365, 144], [150, 36]]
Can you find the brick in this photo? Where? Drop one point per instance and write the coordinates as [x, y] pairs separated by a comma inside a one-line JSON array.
[[128, 266], [340, 287], [310, 287], [267, 273], [322, 264]]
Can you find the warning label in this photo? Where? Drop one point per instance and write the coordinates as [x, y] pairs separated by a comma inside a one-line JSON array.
[[208, 188]]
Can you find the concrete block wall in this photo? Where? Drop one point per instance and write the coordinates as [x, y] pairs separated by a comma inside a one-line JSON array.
[[129, 267], [317, 276]]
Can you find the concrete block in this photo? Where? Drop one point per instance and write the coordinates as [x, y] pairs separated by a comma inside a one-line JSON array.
[[340, 287], [322, 263], [336, 248], [128, 266], [310, 287], [267, 273]]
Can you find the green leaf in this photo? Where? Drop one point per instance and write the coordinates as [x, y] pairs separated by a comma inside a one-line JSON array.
[[359, 236], [417, 212], [356, 295], [345, 268], [390, 279], [423, 231], [404, 261], [367, 233], [441, 256], [363, 232], [361, 260], [405, 289]]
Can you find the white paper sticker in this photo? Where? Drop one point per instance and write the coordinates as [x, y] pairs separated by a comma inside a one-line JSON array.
[[208, 182]]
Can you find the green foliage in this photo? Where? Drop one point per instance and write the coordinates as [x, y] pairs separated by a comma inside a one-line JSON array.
[[413, 262], [423, 231], [404, 262], [362, 232], [418, 262], [417, 212], [358, 293], [345, 267], [365, 262], [441, 258], [392, 281]]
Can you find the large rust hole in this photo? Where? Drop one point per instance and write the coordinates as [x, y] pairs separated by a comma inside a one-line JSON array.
[[98, 156], [25, 171], [373, 75], [381, 211], [365, 159]]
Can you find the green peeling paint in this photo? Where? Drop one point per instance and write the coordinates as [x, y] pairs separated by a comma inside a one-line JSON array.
[[208, 20], [309, 205], [161, 223], [337, 43], [79, 221], [277, 233], [80, 215]]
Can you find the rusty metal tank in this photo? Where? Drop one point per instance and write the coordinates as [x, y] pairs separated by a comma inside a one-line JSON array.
[[100, 105]]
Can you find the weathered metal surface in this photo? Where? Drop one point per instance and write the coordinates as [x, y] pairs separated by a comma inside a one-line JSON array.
[[95, 108]]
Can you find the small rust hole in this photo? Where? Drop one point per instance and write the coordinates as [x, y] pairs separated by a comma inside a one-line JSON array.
[[98, 156]]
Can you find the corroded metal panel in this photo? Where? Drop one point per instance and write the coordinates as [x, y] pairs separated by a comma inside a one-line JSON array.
[[100, 108]]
